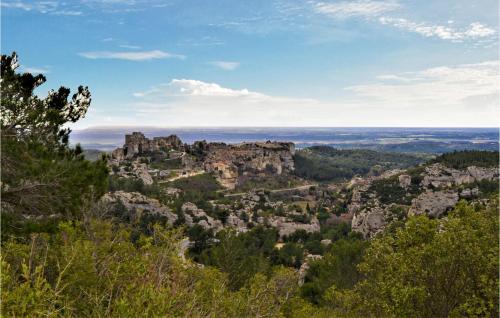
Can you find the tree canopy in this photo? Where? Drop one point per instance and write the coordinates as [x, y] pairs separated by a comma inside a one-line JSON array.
[[41, 174]]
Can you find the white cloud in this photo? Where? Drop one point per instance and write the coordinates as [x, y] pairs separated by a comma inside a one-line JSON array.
[[67, 12], [188, 102], [34, 70], [189, 87], [132, 47], [194, 88], [392, 77], [225, 65], [475, 30], [465, 88], [45, 7], [130, 56], [17, 5], [363, 8], [383, 12]]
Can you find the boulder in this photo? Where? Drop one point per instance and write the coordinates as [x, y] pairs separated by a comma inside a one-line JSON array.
[[369, 222], [434, 203], [404, 180], [140, 170], [469, 193]]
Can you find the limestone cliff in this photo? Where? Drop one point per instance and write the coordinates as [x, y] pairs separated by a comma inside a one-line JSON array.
[[231, 162]]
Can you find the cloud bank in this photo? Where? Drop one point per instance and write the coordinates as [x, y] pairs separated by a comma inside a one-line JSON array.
[[346, 9], [384, 12], [130, 56], [474, 31], [450, 96]]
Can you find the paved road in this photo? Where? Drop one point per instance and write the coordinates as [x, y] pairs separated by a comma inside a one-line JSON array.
[[303, 187], [182, 176], [182, 155]]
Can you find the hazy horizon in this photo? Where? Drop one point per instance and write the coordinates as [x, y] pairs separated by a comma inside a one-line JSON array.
[[396, 139]]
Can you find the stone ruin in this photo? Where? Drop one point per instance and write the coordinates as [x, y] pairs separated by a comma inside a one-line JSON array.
[[137, 144]]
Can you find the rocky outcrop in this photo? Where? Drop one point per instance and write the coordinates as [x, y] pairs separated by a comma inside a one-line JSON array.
[[438, 191], [305, 267], [479, 173], [234, 221], [134, 169], [369, 222], [140, 170], [404, 180], [230, 162], [225, 172], [469, 193], [285, 227], [134, 201], [440, 176], [193, 216], [434, 203]]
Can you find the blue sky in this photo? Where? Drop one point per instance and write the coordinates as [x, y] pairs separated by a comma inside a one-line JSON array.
[[266, 63]]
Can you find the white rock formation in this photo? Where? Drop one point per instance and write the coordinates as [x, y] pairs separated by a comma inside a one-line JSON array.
[[139, 202], [434, 204]]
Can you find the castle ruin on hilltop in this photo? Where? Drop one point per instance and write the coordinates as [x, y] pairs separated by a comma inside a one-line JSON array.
[[230, 163], [137, 144]]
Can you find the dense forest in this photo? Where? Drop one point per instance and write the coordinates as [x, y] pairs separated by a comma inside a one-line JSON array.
[[63, 256], [466, 158], [324, 163]]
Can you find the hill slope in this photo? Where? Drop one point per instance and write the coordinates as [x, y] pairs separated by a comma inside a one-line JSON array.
[[324, 163]]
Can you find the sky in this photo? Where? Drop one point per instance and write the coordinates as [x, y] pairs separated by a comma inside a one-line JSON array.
[[227, 63]]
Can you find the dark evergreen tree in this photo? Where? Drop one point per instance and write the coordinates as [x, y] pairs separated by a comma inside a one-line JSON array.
[[41, 174]]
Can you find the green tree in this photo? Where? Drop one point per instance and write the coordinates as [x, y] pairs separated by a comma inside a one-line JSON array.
[[41, 174], [241, 256], [337, 268]]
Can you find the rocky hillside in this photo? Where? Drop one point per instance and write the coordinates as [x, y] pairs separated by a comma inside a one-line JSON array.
[[167, 158], [432, 189], [232, 163], [191, 182]]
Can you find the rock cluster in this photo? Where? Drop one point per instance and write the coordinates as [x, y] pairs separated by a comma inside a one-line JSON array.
[[193, 216], [135, 169], [134, 201], [286, 227], [438, 192], [439, 176]]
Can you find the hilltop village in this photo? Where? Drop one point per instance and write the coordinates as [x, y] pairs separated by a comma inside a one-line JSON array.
[[240, 186]]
